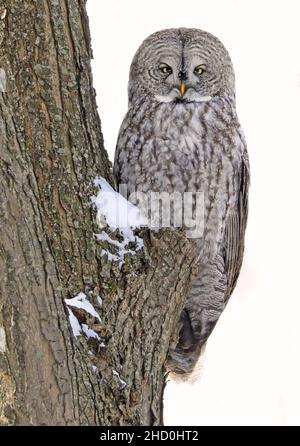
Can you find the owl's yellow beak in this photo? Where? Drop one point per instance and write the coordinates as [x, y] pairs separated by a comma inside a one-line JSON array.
[[182, 88]]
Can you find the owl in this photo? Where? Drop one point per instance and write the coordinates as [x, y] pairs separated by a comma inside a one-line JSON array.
[[181, 134]]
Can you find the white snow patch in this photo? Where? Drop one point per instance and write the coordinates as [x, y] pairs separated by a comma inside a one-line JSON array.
[[122, 382], [75, 325], [114, 211], [122, 250], [94, 369], [99, 300], [89, 332], [80, 301], [112, 257]]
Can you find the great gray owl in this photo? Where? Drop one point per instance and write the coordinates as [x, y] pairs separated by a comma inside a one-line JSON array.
[[181, 133]]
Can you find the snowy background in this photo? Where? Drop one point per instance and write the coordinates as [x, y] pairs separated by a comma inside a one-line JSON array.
[[252, 368]]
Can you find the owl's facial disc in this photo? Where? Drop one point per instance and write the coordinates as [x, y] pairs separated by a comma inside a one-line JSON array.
[[181, 65]]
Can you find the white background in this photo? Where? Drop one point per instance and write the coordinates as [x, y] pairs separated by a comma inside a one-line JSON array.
[[252, 368]]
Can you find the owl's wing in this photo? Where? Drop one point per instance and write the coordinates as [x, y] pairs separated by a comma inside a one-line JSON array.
[[116, 166], [235, 228], [120, 152]]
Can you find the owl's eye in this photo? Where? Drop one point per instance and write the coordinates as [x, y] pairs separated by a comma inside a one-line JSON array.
[[165, 69], [199, 70]]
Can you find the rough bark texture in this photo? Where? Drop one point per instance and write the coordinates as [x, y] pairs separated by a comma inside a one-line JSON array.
[[51, 148]]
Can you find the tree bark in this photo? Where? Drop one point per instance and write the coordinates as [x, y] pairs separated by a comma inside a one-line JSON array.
[[51, 150]]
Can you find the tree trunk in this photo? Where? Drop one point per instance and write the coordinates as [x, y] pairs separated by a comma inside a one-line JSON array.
[[51, 150]]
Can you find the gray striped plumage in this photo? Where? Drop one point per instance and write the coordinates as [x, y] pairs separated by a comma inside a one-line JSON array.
[[192, 143]]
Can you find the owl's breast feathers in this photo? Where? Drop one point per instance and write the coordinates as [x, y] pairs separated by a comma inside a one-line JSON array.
[[189, 147], [173, 138]]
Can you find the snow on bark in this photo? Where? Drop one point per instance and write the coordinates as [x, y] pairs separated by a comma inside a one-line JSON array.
[[114, 213]]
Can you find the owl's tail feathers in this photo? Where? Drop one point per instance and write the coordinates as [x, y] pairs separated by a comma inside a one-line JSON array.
[[185, 363]]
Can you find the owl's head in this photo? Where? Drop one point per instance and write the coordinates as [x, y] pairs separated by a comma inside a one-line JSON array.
[[181, 65]]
